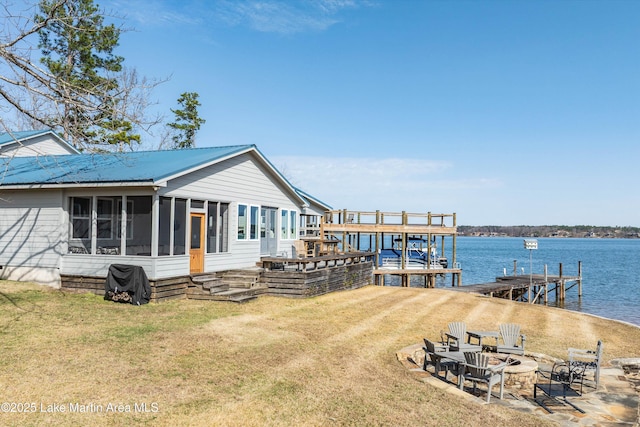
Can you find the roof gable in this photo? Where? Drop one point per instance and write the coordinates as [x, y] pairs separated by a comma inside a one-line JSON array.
[[7, 139], [10, 137]]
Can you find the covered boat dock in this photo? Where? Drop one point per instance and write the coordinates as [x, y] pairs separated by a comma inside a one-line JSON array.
[[386, 234]]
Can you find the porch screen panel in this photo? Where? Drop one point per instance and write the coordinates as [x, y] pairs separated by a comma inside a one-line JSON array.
[[223, 231], [217, 227], [212, 227], [164, 226], [108, 215], [80, 225], [179, 227], [138, 214]]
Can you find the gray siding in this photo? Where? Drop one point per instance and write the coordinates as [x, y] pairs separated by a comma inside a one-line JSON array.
[[98, 265], [31, 228], [170, 266], [37, 146]]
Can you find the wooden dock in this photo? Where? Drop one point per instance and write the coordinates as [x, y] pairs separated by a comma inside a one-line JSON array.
[[535, 288]]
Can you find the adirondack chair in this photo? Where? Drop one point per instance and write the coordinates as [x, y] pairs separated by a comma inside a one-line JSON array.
[[510, 335], [589, 361], [478, 370], [456, 338], [439, 365]]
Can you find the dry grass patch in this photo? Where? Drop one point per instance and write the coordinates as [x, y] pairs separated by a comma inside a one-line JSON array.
[[328, 360]]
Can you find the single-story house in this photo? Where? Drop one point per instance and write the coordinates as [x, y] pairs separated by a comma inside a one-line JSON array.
[[175, 212]]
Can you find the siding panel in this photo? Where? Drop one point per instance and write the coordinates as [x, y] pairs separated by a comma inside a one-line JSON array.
[[31, 228]]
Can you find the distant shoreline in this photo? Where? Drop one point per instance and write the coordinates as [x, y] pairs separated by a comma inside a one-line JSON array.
[[559, 231]]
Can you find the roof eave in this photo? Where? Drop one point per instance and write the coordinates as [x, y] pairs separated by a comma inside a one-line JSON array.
[[34, 186], [304, 203]]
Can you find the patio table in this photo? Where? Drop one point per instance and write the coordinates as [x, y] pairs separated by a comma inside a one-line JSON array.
[[481, 335], [455, 356]]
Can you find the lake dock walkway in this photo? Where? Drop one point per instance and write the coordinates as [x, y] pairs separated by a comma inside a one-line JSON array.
[[534, 288]]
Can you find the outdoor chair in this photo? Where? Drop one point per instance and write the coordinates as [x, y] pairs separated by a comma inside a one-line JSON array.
[[456, 338], [588, 363], [439, 365], [510, 335], [479, 370], [301, 250], [556, 384]]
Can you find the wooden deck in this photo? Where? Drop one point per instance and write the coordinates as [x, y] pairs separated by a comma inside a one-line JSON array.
[[346, 229], [429, 275], [315, 262], [534, 289]]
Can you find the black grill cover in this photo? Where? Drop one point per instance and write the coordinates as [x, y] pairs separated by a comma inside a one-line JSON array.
[[127, 278]]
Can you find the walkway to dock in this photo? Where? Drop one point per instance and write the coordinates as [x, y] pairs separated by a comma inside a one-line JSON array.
[[528, 288]]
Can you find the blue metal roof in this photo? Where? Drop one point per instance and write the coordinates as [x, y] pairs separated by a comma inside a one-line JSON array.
[[138, 166], [308, 196], [8, 138]]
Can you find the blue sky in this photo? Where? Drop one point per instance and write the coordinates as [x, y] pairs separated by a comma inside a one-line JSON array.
[[506, 112]]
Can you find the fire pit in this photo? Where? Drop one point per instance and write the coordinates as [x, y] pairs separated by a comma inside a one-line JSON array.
[[520, 374]]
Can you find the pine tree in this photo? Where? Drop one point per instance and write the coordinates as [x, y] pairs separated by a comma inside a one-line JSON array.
[[187, 121], [77, 49]]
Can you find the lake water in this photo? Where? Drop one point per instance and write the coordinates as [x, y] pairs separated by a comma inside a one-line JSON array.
[[610, 269]]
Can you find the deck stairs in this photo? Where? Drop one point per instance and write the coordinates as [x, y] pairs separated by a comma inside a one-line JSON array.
[[238, 285]]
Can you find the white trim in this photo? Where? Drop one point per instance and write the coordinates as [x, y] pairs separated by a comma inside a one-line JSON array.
[[82, 185]]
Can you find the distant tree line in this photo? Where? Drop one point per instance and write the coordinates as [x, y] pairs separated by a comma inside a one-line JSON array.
[[549, 231]]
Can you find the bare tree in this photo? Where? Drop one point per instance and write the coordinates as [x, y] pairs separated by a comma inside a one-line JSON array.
[[101, 109]]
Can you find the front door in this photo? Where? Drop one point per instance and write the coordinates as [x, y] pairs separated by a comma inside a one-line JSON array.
[[197, 243], [268, 242]]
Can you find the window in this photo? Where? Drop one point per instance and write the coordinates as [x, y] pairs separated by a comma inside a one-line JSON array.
[[80, 217], [248, 222], [242, 222], [217, 225], [292, 225], [288, 226], [284, 223], [254, 222]]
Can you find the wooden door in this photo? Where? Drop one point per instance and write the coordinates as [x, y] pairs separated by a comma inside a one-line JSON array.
[[196, 251]]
